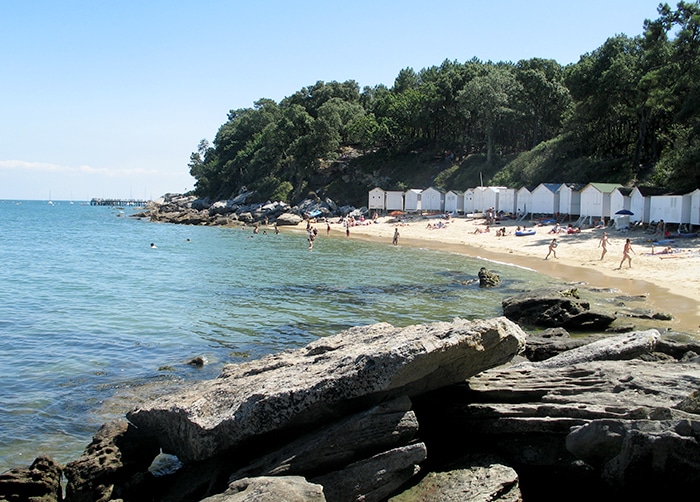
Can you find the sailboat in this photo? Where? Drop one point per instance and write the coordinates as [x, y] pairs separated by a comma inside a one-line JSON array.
[[50, 201]]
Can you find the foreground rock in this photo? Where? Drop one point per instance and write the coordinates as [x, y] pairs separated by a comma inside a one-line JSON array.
[[38, 483], [295, 390]]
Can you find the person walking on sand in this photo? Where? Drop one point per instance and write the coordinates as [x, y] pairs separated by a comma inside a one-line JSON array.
[[626, 254], [395, 241], [552, 249], [603, 244]]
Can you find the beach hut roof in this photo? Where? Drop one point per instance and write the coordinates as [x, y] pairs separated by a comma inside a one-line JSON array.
[[574, 187], [552, 187], [605, 187], [436, 189], [456, 192], [649, 191], [626, 191]]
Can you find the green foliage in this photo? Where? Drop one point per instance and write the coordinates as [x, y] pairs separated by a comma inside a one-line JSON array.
[[627, 112]]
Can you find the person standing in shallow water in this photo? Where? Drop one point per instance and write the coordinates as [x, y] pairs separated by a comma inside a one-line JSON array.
[[552, 249], [626, 254], [395, 241]]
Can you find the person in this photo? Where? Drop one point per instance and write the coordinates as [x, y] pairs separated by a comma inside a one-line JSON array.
[[153, 246], [328, 228], [277, 230], [603, 244], [552, 249], [395, 241], [626, 254], [601, 223]]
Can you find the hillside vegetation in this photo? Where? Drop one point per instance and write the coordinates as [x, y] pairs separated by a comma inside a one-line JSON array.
[[628, 112]]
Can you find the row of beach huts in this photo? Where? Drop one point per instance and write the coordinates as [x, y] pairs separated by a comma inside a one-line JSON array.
[[592, 201]]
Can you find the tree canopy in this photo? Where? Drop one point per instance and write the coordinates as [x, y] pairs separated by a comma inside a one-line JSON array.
[[627, 112]]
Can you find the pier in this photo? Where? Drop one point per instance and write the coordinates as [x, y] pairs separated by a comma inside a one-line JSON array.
[[118, 202]]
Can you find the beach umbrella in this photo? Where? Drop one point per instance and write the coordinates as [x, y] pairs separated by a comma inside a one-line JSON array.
[[624, 212]]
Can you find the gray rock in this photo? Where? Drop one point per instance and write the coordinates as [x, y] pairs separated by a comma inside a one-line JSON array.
[[289, 219], [40, 482], [627, 346], [555, 308], [283, 489], [373, 479], [382, 427], [352, 370], [488, 279], [486, 480]]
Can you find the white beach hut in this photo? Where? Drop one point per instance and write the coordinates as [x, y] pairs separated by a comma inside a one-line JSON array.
[[595, 199], [432, 199], [485, 198], [524, 200], [394, 200], [469, 201], [545, 199], [507, 197], [620, 198], [377, 199], [670, 208], [454, 202], [695, 207], [570, 199], [412, 200], [640, 202]]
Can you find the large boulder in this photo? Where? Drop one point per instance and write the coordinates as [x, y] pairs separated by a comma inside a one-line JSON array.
[[285, 488], [331, 377], [289, 219], [555, 308]]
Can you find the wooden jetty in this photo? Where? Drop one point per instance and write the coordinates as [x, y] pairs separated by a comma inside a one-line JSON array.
[[118, 202]]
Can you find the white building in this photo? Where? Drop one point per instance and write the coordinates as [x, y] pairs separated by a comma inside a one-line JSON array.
[[595, 199], [695, 207], [545, 199], [620, 198], [507, 198], [524, 200], [469, 201], [432, 199], [570, 199], [485, 198], [377, 199], [394, 200], [640, 202], [412, 200], [670, 208], [454, 201]]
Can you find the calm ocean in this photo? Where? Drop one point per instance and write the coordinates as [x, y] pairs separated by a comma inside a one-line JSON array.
[[92, 318]]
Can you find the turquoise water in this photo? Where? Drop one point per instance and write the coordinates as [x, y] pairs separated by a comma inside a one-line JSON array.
[[91, 317]]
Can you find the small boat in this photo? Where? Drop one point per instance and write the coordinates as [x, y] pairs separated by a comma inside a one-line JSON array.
[[520, 233]]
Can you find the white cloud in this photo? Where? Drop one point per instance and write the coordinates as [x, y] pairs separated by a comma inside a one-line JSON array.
[[47, 167]]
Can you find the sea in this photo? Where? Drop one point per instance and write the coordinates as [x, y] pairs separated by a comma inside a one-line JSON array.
[[94, 320]]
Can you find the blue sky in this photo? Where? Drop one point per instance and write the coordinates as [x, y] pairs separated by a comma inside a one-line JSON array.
[[109, 98]]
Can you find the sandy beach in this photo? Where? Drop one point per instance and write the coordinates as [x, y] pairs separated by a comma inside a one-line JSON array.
[[670, 280]]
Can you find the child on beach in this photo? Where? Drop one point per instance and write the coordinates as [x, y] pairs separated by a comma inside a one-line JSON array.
[[552, 249], [604, 244]]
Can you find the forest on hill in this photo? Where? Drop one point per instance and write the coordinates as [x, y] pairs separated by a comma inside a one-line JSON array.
[[627, 112]]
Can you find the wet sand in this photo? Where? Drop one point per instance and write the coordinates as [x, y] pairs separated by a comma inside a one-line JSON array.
[[670, 281]]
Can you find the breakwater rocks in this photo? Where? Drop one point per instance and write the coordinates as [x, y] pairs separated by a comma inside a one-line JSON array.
[[441, 411], [188, 210]]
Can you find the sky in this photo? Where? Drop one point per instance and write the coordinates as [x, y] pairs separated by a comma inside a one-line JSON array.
[[109, 98]]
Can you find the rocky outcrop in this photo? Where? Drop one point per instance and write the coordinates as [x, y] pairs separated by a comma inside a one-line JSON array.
[[554, 308], [330, 377], [487, 278], [40, 482], [443, 411]]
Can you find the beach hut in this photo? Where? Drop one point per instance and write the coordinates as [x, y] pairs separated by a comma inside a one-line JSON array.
[[695, 207], [485, 198], [570, 199], [394, 200], [545, 199], [670, 208], [377, 199], [620, 199], [524, 200], [412, 200], [454, 202], [640, 202], [469, 201], [595, 199], [433, 200], [507, 198]]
